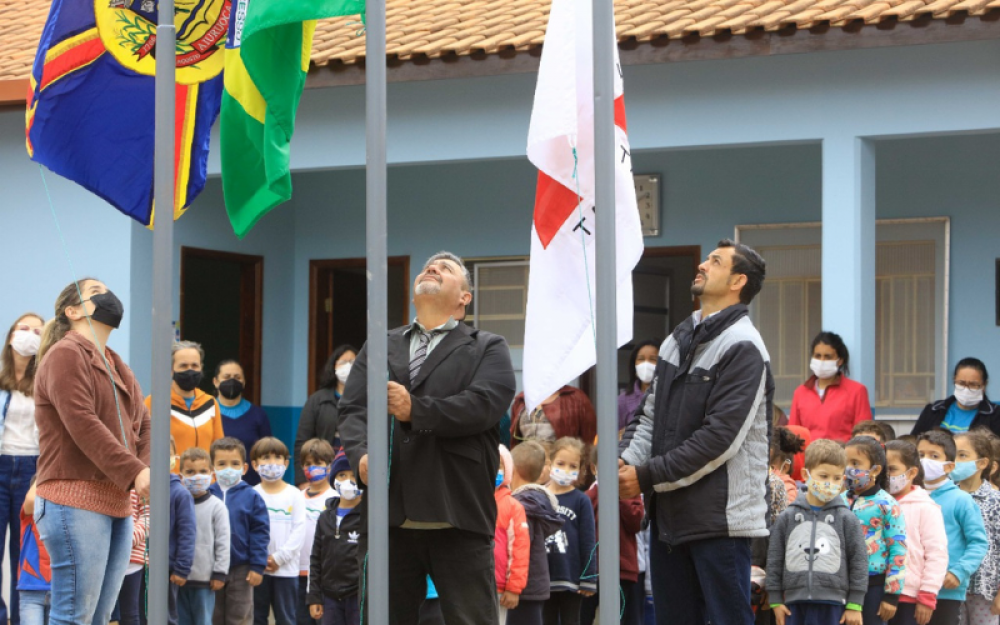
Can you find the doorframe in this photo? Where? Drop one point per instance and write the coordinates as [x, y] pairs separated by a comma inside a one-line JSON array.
[[588, 379], [315, 266], [257, 305]]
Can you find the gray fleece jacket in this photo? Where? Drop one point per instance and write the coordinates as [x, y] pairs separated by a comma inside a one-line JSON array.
[[817, 555], [211, 551]]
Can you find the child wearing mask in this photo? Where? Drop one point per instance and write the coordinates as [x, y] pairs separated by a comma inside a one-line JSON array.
[[316, 456], [249, 533], [630, 514], [183, 532], [926, 541], [196, 598], [806, 583], [540, 509], [333, 561], [572, 550], [286, 510], [974, 460], [883, 524], [512, 543], [784, 446], [967, 540]]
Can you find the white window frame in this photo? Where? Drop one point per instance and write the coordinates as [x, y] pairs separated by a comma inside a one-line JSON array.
[[803, 233]]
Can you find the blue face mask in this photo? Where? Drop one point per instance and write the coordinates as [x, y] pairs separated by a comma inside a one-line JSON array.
[[316, 473], [499, 479], [964, 470]]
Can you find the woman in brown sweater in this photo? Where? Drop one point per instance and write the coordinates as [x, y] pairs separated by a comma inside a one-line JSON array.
[[93, 448]]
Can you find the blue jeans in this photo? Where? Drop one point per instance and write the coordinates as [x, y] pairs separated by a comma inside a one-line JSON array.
[[873, 601], [15, 476], [195, 606], [701, 581], [341, 611], [281, 593], [89, 553], [131, 599], [814, 614], [301, 607], [35, 606]]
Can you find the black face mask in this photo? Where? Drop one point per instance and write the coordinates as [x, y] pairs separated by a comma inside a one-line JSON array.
[[108, 309], [187, 380], [231, 388]]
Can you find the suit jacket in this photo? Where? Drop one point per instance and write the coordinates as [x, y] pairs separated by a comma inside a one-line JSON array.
[[443, 463]]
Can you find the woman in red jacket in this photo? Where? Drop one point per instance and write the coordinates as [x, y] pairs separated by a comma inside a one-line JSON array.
[[829, 404], [567, 412]]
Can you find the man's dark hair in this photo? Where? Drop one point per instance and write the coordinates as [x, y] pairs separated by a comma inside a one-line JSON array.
[[973, 363], [749, 263]]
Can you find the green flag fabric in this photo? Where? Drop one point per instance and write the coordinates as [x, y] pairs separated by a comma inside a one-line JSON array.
[[267, 57]]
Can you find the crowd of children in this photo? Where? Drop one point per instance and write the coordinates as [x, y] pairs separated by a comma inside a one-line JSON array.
[[883, 530]]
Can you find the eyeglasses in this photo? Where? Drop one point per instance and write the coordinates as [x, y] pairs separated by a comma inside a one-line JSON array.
[[26, 328], [969, 386]]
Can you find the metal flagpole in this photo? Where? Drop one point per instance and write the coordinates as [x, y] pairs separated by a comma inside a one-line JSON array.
[[163, 264], [607, 353], [378, 420]]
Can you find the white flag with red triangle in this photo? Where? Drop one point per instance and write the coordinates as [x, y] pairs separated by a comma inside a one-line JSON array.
[[559, 340]]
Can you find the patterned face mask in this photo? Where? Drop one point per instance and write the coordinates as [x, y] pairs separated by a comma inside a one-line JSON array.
[[898, 483], [823, 491], [857, 480], [271, 472], [197, 484]]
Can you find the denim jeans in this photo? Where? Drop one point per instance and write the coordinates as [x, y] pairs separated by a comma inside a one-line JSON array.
[[701, 581], [15, 476], [35, 607], [195, 606], [89, 553], [301, 607], [131, 599], [280, 593], [341, 611]]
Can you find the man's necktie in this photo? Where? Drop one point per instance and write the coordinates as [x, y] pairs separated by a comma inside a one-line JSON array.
[[420, 355]]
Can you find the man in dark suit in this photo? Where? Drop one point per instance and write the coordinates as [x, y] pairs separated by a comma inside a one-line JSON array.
[[449, 385]]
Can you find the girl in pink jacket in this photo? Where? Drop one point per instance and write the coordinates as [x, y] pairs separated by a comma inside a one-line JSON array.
[[926, 540]]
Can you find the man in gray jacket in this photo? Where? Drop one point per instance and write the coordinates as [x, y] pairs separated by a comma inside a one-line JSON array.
[[698, 448]]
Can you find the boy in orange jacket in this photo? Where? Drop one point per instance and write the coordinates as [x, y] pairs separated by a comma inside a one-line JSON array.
[[512, 547]]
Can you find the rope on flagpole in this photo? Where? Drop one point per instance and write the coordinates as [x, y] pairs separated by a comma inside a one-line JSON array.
[[583, 243]]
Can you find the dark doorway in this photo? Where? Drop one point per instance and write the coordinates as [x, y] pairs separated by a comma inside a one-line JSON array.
[[661, 292], [222, 308], [338, 306]]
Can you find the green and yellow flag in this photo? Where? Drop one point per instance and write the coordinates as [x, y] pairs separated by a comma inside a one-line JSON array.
[[267, 57]]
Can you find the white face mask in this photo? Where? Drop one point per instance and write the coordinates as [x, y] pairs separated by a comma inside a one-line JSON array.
[[343, 371], [563, 477], [933, 470], [644, 371], [965, 396], [347, 489], [25, 342], [824, 369]]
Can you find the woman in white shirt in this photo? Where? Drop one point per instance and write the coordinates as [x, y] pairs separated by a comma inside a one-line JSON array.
[[18, 439]]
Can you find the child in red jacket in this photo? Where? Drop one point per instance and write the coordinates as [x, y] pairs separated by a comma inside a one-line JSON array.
[[630, 514], [512, 544]]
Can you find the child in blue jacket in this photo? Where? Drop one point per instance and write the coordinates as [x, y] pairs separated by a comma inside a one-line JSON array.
[[183, 531], [250, 532], [967, 540]]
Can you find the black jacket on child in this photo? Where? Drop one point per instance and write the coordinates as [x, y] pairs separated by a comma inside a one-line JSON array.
[[333, 565], [541, 508]]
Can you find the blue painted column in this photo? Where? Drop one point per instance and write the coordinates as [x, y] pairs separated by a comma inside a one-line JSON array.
[[849, 250]]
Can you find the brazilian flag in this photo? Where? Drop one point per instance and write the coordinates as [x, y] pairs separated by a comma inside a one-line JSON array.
[[267, 57]]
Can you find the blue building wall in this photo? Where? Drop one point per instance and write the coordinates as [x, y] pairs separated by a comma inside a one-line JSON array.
[[736, 141]]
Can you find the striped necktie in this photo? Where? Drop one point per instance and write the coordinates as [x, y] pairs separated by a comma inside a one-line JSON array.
[[420, 355]]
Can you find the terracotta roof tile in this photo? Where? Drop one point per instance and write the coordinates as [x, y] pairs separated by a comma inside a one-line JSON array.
[[435, 27]]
